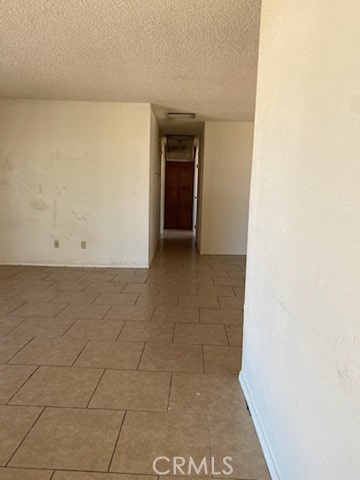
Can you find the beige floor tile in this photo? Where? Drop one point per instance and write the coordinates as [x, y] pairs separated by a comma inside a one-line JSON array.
[[193, 472], [167, 357], [66, 286], [7, 307], [42, 327], [234, 436], [220, 291], [200, 393], [115, 355], [176, 314], [24, 474], [223, 360], [177, 290], [7, 283], [36, 296], [95, 329], [59, 387], [7, 293], [141, 275], [127, 277], [71, 439], [98, 476], [34, 284], [85, 311], [231, 302], [9, 346], [230, 282], [15, 422], [237, 273], [12, 378], [116, 299], [31, 275], [126, 390], [147, 332], [186, 280], [130, 313], [209, 301], [177, 271], [9, 323], [65, 276], [141, 288], [227, 317], [6, 274], [147, 435], [75, 297], [154, 300], [240, 292], [235, 334], [107, 287], [39, 309], [200, 334], [156, 279], [49, 351], [99, 276]]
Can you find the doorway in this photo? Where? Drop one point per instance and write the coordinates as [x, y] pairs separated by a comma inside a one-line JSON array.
[[179, 181]]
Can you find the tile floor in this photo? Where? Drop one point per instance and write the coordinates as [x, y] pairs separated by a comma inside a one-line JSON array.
[[103, 370]]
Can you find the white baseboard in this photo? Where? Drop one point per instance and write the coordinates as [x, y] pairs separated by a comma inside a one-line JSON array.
[[70, 265], [269, 458]]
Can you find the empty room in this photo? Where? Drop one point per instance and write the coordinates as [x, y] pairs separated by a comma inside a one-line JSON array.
[[179, 240]]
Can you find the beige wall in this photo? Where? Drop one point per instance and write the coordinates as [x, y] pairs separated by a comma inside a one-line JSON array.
[[74, 171], [225, 184], [154, 205], [301, 360]]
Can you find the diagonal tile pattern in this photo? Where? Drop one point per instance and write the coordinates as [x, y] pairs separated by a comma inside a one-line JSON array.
[[102, 370]]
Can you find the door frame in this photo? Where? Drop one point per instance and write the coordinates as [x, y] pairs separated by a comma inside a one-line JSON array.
[[162, 186], [195, 186]]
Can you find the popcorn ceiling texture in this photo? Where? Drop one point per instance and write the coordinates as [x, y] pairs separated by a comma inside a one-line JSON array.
[[195, 55]]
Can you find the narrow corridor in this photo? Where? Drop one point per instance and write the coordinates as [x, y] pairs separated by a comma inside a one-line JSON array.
[[104, 370]]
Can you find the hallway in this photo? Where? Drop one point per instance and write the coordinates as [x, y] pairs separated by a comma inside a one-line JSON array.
[[104, 370]]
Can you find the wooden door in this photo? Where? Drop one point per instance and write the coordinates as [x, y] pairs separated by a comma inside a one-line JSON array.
[[179, 180]]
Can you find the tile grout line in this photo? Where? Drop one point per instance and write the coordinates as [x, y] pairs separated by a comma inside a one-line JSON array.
[[26, 344], [227, 335], [14, 328], [141, 356], [170, 388], [121, 329], [61, 310], [66, 330], [117, 441], [96, 387], [28, 378], [81, 351], [23, 440], [96, 297]]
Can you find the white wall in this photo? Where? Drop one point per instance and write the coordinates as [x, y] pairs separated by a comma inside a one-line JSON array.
[[225, 185], [154, 205], [301, 361], [74, 171]]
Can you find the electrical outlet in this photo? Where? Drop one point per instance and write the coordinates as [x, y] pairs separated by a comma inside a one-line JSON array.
[[83, 245], [56, 244]]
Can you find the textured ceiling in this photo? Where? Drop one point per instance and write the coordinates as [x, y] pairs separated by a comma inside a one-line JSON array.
[[181, 55]]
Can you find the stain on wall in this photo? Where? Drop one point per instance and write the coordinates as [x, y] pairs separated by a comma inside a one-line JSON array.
[[74, 171]]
